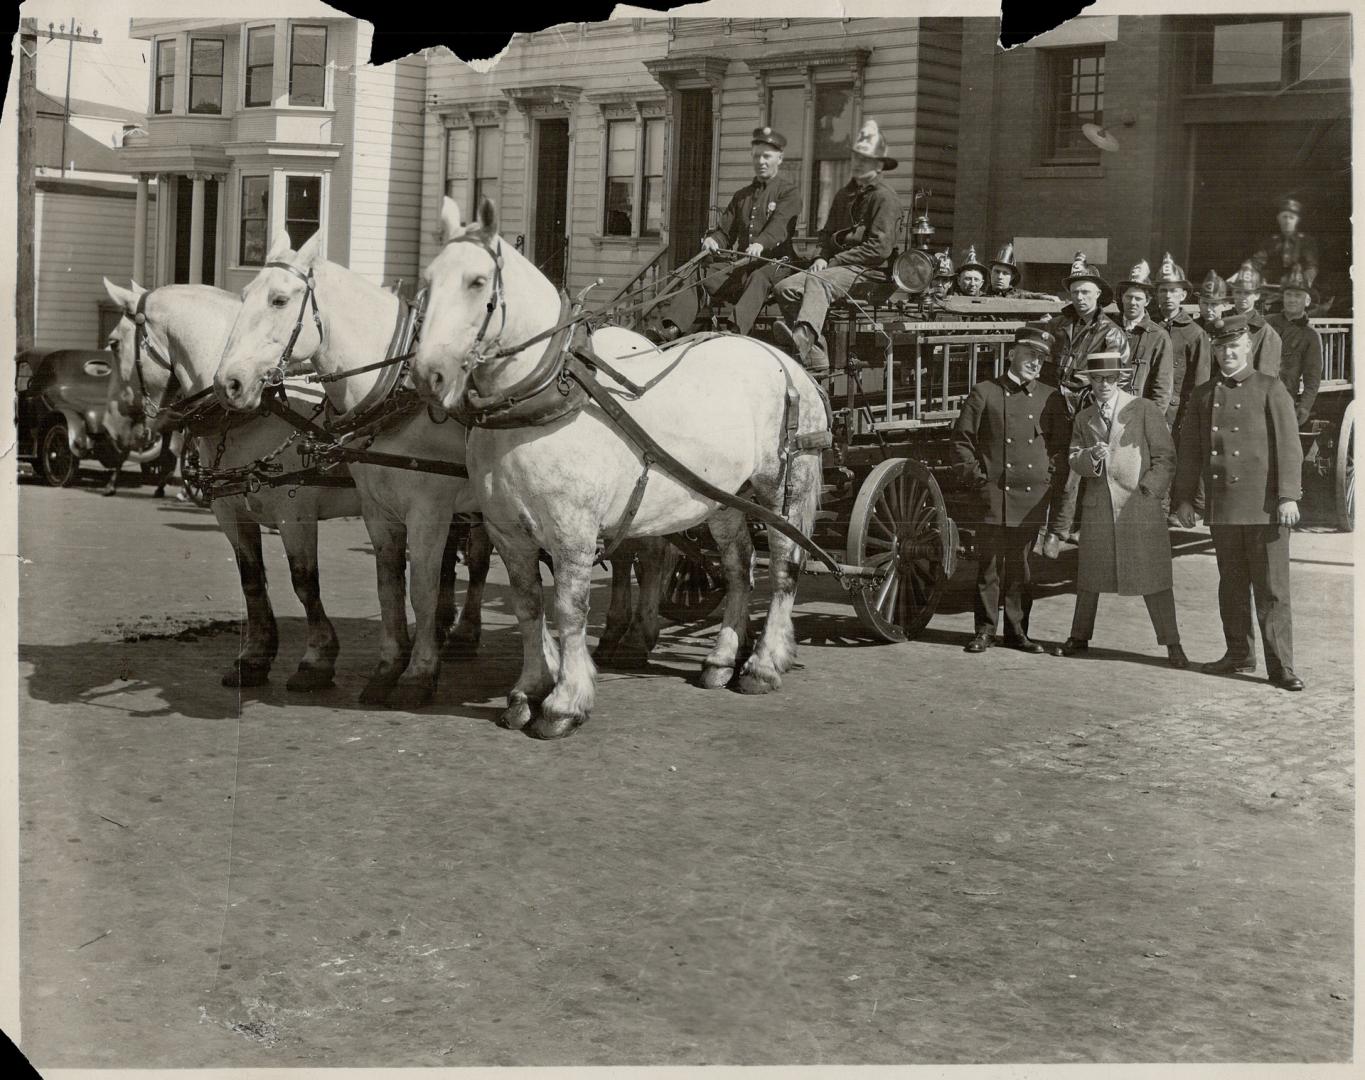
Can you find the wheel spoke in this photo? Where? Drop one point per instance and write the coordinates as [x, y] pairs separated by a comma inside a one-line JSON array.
[[886, 587], [889, 606]]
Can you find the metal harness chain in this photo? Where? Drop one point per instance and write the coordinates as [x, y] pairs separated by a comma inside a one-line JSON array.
[[277, 373]]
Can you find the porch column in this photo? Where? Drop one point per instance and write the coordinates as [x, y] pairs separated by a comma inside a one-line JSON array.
[[140, 231], [197, 230]]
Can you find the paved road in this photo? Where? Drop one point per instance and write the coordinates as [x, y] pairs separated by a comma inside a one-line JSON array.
[[910, 854]]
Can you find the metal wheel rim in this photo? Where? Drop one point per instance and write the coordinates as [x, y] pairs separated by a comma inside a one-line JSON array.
[[59, 463]]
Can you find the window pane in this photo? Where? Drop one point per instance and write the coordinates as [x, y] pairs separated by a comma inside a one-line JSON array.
[[654, 148], [165, 57], [486, 186], [260, 45], [1325, 50], [830, 176], [307, 76], [306, 86], [1247, 52], [457, 162], [206, 94], [302, 199], [488, 160], [206, 57], [618, 208], [833, 121], [309, 45], [253, 243], [1078, 99], [259, 87], [255, 214], [654, 205], [621, 148], [787, 115]]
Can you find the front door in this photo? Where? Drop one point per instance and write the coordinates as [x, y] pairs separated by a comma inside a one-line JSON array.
[[550, 238], [184, 193], [691, 216]]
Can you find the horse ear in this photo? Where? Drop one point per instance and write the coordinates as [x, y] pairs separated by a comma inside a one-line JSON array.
[[126, 299], [488, 217], [451, 224], [280, 248], [308, 254]]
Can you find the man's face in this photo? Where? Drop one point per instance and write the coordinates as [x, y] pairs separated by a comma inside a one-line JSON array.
[[1104, 387], [1001, 276], [767, 160], [1295, 303], [865, 168], [1169, 298], [1244, 299], [1134, 304], [1289, 221], [970, 282], [1086, 296], [1026, 363], [1211, 309], [1233, 355]]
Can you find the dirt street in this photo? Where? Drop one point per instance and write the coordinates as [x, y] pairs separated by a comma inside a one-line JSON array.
[[909, 854]]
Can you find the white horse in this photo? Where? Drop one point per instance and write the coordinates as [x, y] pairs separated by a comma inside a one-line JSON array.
[[186, 327], [720, 410], [348, 322]]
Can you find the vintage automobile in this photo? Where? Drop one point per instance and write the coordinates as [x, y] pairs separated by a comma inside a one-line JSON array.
[[61, 401]]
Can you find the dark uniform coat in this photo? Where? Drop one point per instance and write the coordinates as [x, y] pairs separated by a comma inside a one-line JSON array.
[[1240, 447], [860, 230], [1191, 363], [1281, 252], [1150, 356], [1300, 361], [1265, 344], [1074, 341], [1010, 443], [761, 212]]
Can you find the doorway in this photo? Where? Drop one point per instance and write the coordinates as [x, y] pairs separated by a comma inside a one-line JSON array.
[[690, 220], [550, 233], [184, 193]]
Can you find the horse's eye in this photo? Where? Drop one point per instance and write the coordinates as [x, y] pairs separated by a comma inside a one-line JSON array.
[[113, 346], [478, 282], [279, 301]]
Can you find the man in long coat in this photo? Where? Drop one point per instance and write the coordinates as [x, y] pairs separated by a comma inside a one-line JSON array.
[[1150, 374], [1009, 444], [1121, 451], [1239, 445]]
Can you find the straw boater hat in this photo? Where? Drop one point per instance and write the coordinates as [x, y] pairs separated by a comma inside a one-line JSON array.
[[1295, 280], [1226, 329], [1081, 270], [1005, 257], [972, 263], [1139, 276], [871, 143], [1171, 274], [1035, 336], [1102, 363], [1213, 289]]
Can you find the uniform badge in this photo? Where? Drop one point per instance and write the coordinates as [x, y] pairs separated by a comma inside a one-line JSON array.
[[772, 206]]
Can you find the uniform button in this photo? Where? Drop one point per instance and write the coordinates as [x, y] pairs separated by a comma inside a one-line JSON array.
[[1236, 429], [1028, 489], [1232, 479], [1238, 405], [1213, 429], [1009, 441], [1237, 453], [1030, 464], [1007, 487], [1213, 453], [1216, 404], [1030, 416]]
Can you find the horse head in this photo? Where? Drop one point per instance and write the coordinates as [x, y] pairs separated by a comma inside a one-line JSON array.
[[278, 327], [483, 297], [125, 414]]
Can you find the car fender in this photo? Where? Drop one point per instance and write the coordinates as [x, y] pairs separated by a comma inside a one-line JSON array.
[[76, 435]]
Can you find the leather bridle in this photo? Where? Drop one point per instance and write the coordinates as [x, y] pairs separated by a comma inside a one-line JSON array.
[[142, 342], [276, 375], [498, 299]]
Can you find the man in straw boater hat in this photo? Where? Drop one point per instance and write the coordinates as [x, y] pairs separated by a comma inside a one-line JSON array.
[[1122, 454], [972, 275], [857, 238], [759, 220], [1300, 344], [1265, 342], [1149, 374], [1240, 450], [1005, 277], [1191, 354], [1288, 248], [1009, 443], [1079, 329]]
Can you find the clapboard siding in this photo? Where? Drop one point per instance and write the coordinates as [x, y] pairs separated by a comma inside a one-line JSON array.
[[78, 241]]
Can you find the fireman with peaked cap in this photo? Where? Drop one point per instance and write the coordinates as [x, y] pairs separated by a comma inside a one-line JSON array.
[[972, 275], [1239, 448], [1005, 276], [760, 219], [1079, 329], [857, 238], [1288, 248], [1149, 374], [1265, 342], [1301, 345], [1191, 354]]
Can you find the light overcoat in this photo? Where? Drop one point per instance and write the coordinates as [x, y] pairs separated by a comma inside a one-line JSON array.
[[1125, 547]]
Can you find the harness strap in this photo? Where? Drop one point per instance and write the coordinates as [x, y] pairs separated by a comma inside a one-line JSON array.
[[632, 508], [579, 373], [276, 375]]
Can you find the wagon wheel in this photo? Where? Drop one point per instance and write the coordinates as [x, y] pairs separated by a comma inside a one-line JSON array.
[[693, 584], [900, 524], [1345, 475]]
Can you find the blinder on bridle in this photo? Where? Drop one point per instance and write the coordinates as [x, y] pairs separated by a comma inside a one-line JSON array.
[[497, 300], [276, 375], [142, 342]]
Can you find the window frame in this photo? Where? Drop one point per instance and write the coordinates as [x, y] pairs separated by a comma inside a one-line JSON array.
[[221, 76], [1059, 70], [285, 178], [158, 77], [1201, 71], [242, 217], [639, 110], [476, 163], [463, 197], [322, 67], [248, 67]]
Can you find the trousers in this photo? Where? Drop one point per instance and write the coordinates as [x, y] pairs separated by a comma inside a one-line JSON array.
[[746, 286], [1002, 567], [1160, 608], [806, 297], [1253, 564]]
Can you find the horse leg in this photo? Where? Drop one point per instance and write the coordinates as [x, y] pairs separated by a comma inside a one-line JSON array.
[[539, 654], [571, 701], [649, 565], [261, 641], [737, 563], [390, 561], [618, 609], [463, 642], [445, 593], [317, 668], [426, 554], [776, 649]]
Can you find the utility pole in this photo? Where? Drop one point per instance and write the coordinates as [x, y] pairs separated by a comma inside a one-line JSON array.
[[70, 37]]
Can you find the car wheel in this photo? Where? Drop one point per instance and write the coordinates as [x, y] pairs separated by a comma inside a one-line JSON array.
[[60, 465]]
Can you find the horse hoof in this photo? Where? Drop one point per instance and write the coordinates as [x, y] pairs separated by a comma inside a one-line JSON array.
[[759, 682], [310, 677], [554, 727], [410, 696], [375, 693], [713, 677], [247, 673], [460, 648], [517, 714]]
